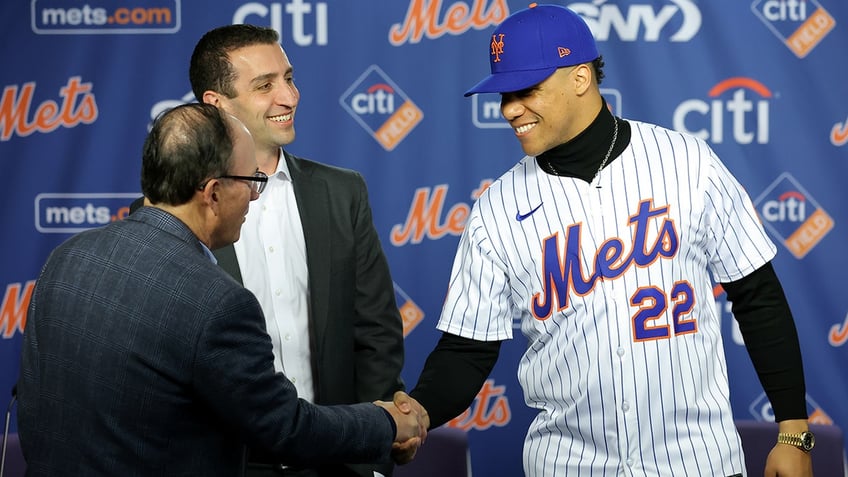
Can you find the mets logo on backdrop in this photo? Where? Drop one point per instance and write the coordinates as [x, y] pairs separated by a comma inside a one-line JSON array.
[[380, 107], [793, 215], [800, 24]]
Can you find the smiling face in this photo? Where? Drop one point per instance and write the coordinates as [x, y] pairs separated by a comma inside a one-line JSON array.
[[554, 111], [266, 97]]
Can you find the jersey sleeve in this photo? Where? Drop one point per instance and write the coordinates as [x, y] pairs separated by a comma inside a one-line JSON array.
[[478, 304], [740, 245]]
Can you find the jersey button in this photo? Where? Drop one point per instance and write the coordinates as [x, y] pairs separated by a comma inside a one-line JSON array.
[[625, 407], [620, 351]]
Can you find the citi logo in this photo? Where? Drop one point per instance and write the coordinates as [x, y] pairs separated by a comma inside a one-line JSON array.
[[792, 215], [641, 22], [799, 24], [381, 108], [747, 114]]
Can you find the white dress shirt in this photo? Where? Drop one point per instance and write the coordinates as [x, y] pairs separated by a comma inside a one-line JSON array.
[[271, 254]]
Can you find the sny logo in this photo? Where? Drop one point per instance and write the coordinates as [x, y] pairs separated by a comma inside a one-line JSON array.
[[411, 314], [382, 108], [792, 215], [761, 409]]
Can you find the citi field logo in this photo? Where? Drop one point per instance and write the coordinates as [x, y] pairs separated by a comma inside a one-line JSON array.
[[381, 108], [486, 108], [799, 24], [72, 213], [56, 17], [677, 20], [761, 410], [740, 103], [411, 314], [792, 215]]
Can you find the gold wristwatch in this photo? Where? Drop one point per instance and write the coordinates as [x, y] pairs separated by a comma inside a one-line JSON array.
[[803, 440]]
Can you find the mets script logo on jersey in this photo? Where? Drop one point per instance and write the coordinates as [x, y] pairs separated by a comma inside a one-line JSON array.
[[800, 24], [381, 108], [52, 17], [761, 409], [18, 115], [410, 313], [427, 18], [747, 117], [14, 308], [490, 408], [562, 270], [793, 215], [486, 108], [677, 20]]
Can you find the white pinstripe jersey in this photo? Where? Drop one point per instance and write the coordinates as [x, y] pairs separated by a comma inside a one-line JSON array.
[[625, 361]]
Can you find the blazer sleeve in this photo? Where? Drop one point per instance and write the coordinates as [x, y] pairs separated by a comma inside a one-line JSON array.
[[378, 327], [234, 375]]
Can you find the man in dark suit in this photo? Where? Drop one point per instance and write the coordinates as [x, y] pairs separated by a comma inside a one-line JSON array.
[[142, 357], [308, 249]]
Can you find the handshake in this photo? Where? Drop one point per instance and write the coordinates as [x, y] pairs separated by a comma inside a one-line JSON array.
[[412, 422]]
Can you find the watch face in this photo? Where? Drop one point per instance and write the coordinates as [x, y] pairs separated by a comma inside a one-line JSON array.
[[808, 440]]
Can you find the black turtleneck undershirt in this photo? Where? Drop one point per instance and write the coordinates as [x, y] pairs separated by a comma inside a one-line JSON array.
[[457, 368]]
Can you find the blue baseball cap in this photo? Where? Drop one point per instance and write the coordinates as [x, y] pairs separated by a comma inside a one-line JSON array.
[[531, 44]]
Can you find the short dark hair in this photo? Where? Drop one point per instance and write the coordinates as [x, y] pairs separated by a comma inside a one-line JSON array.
[[187, 145], [210, 68], [598, 66]]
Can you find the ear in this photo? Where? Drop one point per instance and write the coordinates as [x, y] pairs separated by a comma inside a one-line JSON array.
[[583, 77], [211, 195], [211, 97]]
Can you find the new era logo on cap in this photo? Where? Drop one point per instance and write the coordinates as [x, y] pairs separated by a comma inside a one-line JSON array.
[[531, 44]]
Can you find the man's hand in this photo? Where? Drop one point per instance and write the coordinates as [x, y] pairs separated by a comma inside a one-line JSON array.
[[408, 437], [403, 452], [786, 460]]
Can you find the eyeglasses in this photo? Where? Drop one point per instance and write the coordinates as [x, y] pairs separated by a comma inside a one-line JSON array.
[[256, 182]]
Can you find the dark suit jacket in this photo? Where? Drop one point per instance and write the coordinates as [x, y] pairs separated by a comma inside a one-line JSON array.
[[142, 357], [356, 332]]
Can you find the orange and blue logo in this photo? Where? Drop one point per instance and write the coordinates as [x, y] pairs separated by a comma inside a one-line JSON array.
[[381, 108], [410, 313], [799, 24], [793, 215], [739, 105], [72, 213], [128, 17]]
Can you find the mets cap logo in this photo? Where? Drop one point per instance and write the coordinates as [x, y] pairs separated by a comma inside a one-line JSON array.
[[793, 215], [381, 108]]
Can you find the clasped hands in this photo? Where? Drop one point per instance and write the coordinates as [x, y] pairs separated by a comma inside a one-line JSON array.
[[412, 422]]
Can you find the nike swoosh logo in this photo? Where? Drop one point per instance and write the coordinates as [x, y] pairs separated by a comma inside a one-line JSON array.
[[519, 216]]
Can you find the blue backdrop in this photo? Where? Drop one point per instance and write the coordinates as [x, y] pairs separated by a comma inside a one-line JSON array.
[[763, 81]]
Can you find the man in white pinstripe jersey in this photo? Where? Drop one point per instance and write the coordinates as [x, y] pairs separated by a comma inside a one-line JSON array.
[[603, 240]]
